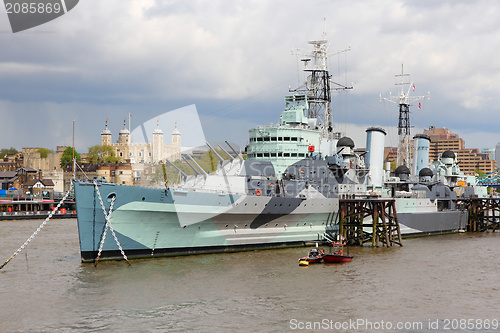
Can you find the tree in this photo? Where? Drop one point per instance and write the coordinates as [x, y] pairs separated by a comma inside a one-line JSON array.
[[100, 153], [44, 152], [67, 157], [10, 152], [393, 166]]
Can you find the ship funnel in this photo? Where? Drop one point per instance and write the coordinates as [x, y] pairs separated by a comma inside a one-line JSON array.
[[374, 159], [421, 145]]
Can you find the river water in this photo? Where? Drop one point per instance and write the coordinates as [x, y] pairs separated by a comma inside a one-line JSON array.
[[428, 285]]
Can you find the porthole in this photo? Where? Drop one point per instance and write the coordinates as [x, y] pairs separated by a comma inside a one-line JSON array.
[[111, 196]]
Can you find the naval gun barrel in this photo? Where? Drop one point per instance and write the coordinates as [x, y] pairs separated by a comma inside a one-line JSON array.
[[234, 151], [215, 152], [192, 167], [199, 167], [181, 172], [231, 157]]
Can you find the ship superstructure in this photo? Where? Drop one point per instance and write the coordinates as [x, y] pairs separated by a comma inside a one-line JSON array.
[[305, 127], [294, 138]]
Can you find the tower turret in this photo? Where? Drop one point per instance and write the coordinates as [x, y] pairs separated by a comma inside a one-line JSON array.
[[176, 136], [106, 135], [124, 135], [157, 142]]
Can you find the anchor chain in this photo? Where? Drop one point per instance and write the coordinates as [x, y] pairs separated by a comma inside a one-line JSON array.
[[107, 216], [39, 228]]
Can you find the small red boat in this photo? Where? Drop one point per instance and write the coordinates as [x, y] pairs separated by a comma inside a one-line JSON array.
[[337, 254], [315, 256]]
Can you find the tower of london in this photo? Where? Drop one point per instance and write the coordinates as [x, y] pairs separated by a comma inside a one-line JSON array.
[[149, 152]]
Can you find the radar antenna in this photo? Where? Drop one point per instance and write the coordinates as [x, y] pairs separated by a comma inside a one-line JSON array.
[[404, 100], [318, 84]]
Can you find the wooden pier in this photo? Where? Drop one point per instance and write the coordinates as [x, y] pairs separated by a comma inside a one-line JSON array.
[[369, 220], [484, 213]]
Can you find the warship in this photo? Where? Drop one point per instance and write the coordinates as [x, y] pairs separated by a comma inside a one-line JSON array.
[[286, 192]]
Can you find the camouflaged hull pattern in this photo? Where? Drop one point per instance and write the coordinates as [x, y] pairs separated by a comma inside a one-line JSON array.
[[158, 222]]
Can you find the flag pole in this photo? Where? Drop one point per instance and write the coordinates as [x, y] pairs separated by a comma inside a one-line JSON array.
[[74, 177]]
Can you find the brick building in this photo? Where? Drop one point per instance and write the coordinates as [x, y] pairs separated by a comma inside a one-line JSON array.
[[469, 159]]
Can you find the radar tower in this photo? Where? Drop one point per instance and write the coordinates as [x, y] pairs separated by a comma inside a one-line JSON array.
[[404, 100], [318, 84]]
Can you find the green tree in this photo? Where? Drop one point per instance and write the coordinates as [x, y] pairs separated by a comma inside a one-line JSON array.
[[11, 151], [67, 157], [44, 152], [479, 172], [393, 166], [100, 153]]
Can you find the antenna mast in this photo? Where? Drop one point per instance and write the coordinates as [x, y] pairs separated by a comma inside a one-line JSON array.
[[404, 100], [317, 87], [74, 160]]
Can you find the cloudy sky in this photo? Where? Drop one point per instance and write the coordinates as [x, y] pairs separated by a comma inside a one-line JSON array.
[[233, 60]]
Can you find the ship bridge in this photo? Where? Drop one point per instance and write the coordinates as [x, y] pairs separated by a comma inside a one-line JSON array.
[[294, 138]]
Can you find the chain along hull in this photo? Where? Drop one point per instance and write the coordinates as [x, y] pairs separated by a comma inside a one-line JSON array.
[[158, 222]]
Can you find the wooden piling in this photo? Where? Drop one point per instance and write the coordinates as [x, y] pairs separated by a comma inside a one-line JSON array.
[[484, 213], [357, 216]]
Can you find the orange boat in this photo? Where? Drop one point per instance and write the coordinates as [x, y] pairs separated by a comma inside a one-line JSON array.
[[337, 254]]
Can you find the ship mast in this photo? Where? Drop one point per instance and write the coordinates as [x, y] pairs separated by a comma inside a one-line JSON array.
[[317, 86], [404, 100]]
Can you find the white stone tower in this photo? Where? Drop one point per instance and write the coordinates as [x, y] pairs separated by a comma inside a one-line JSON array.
[[157, 142], [176, 142], [124, 135], [106, 136]]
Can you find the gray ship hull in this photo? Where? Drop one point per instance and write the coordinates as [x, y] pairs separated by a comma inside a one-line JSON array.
[[427, 223], [159, 222]]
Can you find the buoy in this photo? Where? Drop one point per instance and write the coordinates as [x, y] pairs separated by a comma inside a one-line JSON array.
[[303, 263], [258, 193]]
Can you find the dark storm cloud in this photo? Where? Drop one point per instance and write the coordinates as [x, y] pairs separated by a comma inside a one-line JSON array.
[[233, 59]]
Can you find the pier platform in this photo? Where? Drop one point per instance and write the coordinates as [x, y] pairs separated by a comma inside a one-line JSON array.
[[484, 213], [363, 220]]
